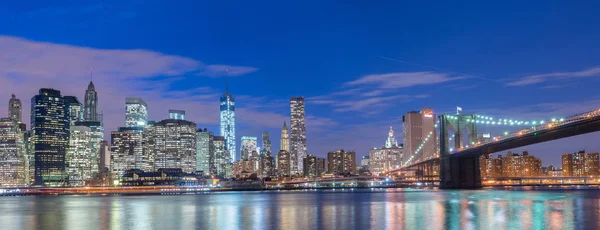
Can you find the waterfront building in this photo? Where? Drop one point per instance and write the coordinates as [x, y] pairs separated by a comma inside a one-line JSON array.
[[15, 109], [266, 144], [245, 168], [104, 163], [342, 162], [284, 163], [313, 166], [511, 165], [14, 163], [580, 164], [79, 156], [267, 165], [50, 134], [90, 104], [297, 134], [172, 145], [96, 137], [162, 176], [136, 112], [417, 126], [222, 162], [176, 114], [227, 113], [386, 158], [248, 147], [127, 151], [205, 152]]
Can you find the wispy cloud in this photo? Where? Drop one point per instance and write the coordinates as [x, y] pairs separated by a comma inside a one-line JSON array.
[[220, 70], [403, 79], [540, 78]]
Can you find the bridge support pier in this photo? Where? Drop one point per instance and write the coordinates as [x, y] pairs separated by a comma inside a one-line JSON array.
[[460, 173]]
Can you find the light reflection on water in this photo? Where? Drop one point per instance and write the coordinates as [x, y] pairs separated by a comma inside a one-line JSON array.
[[358, 209]]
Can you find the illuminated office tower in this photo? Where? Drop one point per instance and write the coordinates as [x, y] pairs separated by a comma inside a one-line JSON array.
[[227, 109], [104, 163], [96, 137], [136, 112], [13, 160], [174, 144], [248, 147], [222, 162], [126, 151], [75, 109], [297, 134], [204, 152], [267, 165], [266, 144], [15, 109], [283, 163], [90, 106], [416, 128], [79, 156], [313, 166], [176, 114], [50, 136]]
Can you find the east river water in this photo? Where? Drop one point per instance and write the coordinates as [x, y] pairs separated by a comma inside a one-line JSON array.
[[322, 209]]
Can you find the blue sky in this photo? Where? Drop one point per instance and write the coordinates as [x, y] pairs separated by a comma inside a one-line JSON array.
[[361, 65]]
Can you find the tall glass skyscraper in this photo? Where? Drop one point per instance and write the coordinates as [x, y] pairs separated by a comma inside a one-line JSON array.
[[204, 152], [90, 106], [266, 144], [13, 159], [298, 134], [228, 122], [50, 127], [248, 147], [136, 112]]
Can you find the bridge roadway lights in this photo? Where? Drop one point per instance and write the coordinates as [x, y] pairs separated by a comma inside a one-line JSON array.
[[460, 173]]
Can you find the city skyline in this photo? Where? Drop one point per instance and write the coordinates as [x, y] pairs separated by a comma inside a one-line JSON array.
[[365, 91]]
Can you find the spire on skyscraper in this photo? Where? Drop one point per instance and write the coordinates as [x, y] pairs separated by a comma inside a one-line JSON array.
[[226, 81], [391, 140]]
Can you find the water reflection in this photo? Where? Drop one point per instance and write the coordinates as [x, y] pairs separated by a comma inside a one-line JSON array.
[[348, 209]]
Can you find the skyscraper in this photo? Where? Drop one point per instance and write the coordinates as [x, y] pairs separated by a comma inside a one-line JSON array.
[[248, 147], [136, 112], [75, 109], [283, 163], [285, 138], [298, 134], [173, 145], [15, 109], [266, 144], [419, 128], [227, 109], [176, 114], [221, 158], [126, 151], [79, 156], [96, 137], [204, 155], [50, 127], [90, 106], [13, 160], [387, 157]]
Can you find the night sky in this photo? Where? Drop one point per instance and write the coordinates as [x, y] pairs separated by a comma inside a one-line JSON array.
[[361, 66]]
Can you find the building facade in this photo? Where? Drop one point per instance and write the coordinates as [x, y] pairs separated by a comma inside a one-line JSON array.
[[205, 152], [313, 166], [15, 109], [418, 127], [14, 165], [267, 165], [227, 114], [222, 161], [79, 156], [342, 162], [136, 112], [176, 114], [297, 134], [90, 104], [75, 109], [50, 136], [580, 164], [284, 163], [387, 157], [173, 144], [248, 147], [126, 151], [266, 144]]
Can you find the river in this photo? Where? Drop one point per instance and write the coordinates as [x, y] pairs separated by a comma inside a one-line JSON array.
[[322, 209]]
